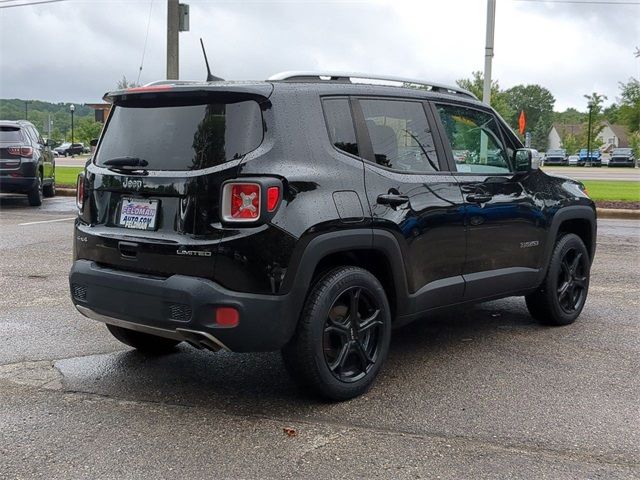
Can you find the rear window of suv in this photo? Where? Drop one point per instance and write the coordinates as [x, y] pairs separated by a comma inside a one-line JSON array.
[[10, 134], [182, 137]]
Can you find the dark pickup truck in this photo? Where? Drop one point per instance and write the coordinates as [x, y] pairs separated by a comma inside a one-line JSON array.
[[622, 157]]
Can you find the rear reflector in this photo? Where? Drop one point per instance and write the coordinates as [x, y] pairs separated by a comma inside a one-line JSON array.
[[80, 191], [227, 317], [273, 195]]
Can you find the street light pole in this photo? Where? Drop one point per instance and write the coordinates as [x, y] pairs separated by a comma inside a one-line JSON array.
[[173, 38], [589, 134], [72, 108]]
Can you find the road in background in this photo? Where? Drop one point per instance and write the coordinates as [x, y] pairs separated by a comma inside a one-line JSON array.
[[479, 392], [591, 173]]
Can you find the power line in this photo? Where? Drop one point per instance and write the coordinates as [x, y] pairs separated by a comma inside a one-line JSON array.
[[584, 2], [29, 4]]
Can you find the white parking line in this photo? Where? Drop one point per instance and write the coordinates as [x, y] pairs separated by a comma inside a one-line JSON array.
[[46, 221]]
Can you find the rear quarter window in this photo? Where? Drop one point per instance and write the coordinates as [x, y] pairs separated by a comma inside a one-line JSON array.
[[182, 137]]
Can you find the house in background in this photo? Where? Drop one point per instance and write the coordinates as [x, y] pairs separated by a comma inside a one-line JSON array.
[[101, 111], [611, 136]]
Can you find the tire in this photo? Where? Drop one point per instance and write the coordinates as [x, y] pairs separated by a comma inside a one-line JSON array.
[[563, 293], [35, 194], [49, 190], [143, 342], [330, 354]]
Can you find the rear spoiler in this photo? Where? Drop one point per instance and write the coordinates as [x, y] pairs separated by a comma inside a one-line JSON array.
[[173, 88]]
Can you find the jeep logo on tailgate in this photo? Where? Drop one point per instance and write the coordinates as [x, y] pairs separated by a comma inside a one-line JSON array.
[[131, 184]]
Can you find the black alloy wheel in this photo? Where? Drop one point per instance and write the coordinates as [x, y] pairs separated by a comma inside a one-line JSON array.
[[563, 293], [353, 334], [572, 281]]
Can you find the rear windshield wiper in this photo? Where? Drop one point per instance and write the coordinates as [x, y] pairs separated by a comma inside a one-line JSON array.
[[126, 163]]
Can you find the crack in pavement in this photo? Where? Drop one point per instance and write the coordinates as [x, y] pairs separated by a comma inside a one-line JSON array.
[[45, 375]]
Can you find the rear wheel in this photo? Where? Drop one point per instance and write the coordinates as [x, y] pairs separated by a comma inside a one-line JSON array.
[[35, 194], [143, 342], [343, 335], [561, 297], [50, 189]]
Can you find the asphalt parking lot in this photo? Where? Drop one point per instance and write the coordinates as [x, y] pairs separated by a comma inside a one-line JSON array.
[[483, 392]]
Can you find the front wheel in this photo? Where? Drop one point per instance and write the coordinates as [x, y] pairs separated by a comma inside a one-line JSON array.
[[342, 338], [143, 342], [563, 293]]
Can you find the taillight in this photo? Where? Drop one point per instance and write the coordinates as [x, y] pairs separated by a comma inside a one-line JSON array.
[[21, 151], [80, 191], [273, 196], [241, 202]]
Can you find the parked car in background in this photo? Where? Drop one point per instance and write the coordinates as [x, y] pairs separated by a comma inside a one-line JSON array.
[[622, 157], [592, 159], [573, 160], [556, 157], [26, 162], [69, 149]]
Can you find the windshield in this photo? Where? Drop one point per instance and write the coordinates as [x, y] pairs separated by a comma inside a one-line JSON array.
[[182, 137], [555, 152], [10, 134], [623, 151], [65, 145]]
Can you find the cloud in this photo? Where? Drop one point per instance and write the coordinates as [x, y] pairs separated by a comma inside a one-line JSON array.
[[77, 50]]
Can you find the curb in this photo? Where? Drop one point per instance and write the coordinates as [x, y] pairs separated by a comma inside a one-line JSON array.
[[602, 212], [65, 192], [618, 213]]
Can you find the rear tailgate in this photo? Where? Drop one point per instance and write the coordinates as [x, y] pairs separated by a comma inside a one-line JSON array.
[[163, 219]]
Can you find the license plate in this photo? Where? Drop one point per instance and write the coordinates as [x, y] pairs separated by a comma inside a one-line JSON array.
[[138, 213]]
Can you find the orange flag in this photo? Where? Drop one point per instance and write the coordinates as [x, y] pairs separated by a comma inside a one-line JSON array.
[[522, 122]]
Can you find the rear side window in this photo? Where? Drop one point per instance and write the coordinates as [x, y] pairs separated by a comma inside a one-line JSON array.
[[10, 134], [340, 124], [182, 137], [400, 135]]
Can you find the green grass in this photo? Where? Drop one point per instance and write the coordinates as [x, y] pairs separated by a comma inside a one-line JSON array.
[[626, 191], [67, 176]]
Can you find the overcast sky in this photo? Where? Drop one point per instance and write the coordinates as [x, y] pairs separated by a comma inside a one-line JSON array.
[[76, 50]]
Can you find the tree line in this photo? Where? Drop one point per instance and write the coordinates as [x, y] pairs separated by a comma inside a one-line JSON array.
[[538, 104]]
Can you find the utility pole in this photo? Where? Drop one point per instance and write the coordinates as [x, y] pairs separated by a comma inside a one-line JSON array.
[[173, 44], [488, 51], [26, 109]]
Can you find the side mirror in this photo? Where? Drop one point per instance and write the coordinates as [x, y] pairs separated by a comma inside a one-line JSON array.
[[525, 160]]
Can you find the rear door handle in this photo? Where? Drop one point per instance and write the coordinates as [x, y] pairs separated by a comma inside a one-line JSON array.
[[393, 200], [479, 198]]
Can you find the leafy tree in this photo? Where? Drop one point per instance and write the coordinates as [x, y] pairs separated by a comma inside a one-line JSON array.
[[85, 130], [536, 101], [123, 83], [629, 110], [570, 116], [594, 103], [571, 143], [498, 99]]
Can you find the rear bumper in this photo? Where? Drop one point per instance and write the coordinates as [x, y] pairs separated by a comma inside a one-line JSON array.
[[9, 184], [181, 307]]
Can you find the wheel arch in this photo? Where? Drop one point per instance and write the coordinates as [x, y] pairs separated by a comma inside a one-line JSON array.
[[374, 250], [578, 219]]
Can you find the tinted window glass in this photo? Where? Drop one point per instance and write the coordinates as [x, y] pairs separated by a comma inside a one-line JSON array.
[[475, 140], [182, 137], [400, 135], [340, 124], [10, 134]]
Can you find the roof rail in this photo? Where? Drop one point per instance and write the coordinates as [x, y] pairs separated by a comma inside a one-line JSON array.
[[347, 77]]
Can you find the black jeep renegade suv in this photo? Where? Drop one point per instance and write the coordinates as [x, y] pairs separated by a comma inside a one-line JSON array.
[[312, 214]]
